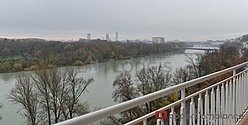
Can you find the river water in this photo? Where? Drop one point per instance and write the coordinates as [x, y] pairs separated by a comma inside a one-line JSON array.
[[99, 93]]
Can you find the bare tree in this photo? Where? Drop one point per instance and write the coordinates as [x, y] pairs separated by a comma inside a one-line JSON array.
[[74, 89], [182, 75], [124, 91], [151, 80], [24, 93], [41, 80], [195, 65], [50, 95]]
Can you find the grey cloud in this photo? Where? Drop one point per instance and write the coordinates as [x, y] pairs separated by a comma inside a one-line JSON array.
[[174, 19]]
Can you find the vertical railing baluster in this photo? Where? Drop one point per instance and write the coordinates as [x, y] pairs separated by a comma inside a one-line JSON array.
[[227, 102], [145, 122], [182, 109], [206, 108], [172, 117], [240, 96], [237, 94], [234, 98], [246, 83], [199, 111], [212, 107], [230, 109], [191, 113], [246, 89], [234, 93], [243, 97], [202, 121], [243, 94], [244, 105], [160, 121], [217, 121], [194, 112], [222, 104], [231, 120], [242, 101]]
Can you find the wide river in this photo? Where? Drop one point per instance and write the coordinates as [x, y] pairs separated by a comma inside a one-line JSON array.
[[99, 93]]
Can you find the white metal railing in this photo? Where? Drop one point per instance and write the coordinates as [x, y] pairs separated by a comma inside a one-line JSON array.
[[222, 103]]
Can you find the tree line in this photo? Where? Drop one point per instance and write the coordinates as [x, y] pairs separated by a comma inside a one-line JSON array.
[[17, 55], [152, 79]]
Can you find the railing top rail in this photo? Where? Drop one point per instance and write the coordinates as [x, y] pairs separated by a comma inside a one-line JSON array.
[[103, 113]]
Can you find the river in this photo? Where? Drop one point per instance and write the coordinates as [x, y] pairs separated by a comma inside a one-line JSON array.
[[99, 93]]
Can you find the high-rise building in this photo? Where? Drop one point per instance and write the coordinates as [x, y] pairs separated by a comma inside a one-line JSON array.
[[107, 37], [88, 36], [116, 36], [158, 40]]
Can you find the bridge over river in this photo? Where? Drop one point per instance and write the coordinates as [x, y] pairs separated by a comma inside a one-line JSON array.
[[182, 49]]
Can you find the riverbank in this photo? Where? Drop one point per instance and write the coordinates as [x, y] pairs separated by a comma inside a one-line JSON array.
[[36, 67]]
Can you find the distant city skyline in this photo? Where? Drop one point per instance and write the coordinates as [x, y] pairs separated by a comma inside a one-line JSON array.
[[88, 36], [189, 20]]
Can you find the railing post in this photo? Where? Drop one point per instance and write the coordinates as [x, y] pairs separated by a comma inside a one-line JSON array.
[[182, 109]]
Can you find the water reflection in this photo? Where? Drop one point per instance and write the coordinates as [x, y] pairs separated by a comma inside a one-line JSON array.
[[5, 76], [100, 92]]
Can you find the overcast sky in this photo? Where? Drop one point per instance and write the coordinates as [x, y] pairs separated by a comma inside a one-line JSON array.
[[133, 19]]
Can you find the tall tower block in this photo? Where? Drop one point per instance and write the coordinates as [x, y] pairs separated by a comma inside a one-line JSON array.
[[88, 36], [116, 36], [107, 37]]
